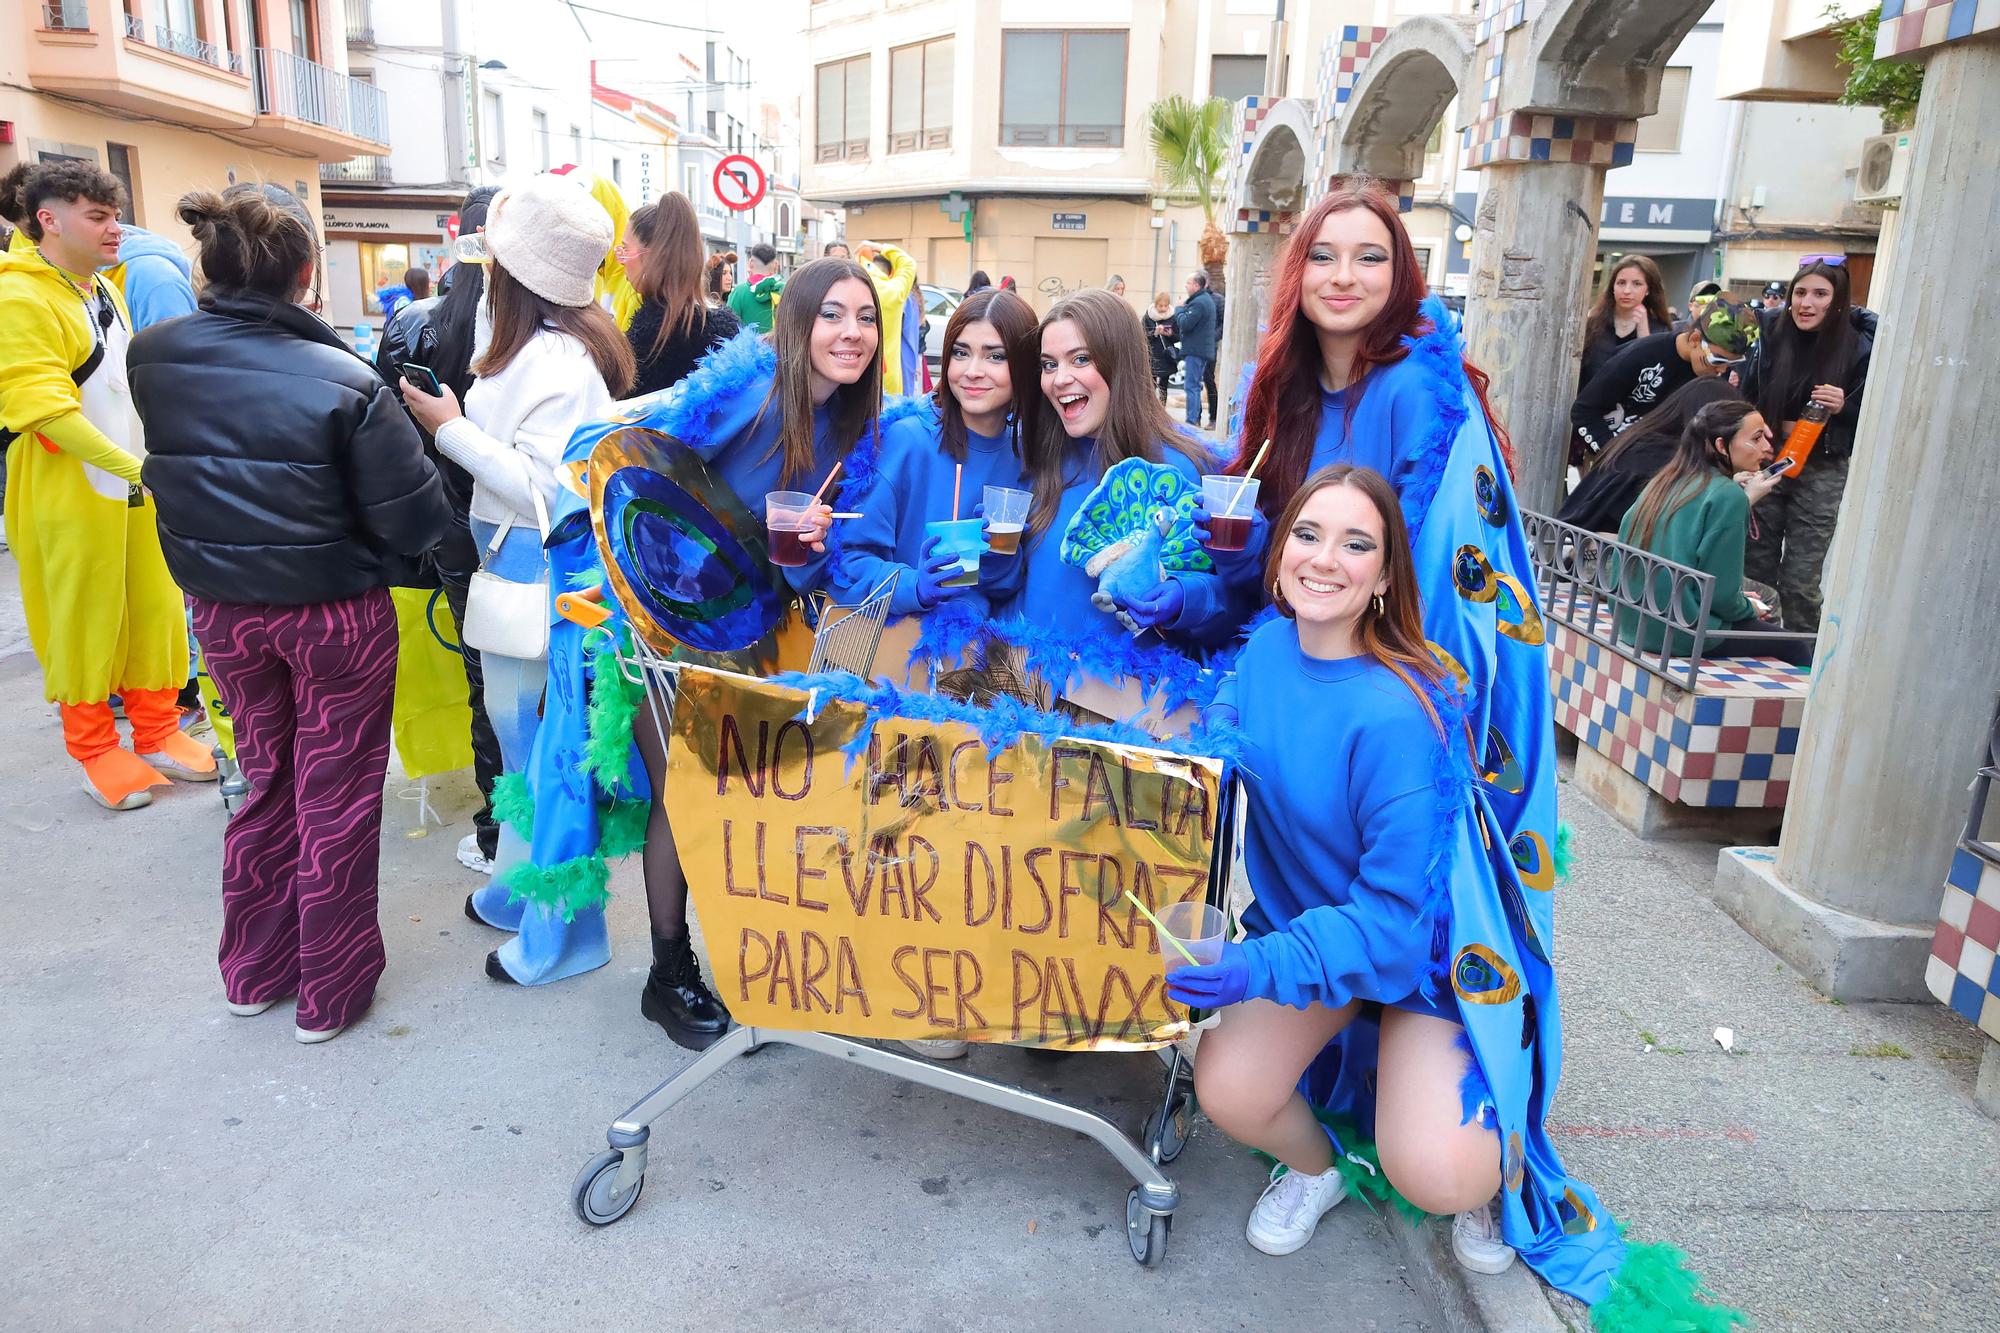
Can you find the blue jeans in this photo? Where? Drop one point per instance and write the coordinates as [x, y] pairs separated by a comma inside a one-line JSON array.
[[1194, 367], [547, 947]]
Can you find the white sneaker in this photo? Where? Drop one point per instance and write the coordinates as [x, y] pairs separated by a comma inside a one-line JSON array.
[[1290, 1208], [471, 857], [311, 1038], [1475, 1239], [945, 1048], [251, 1010]]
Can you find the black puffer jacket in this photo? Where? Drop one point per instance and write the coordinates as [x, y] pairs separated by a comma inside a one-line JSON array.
[[284, 470]]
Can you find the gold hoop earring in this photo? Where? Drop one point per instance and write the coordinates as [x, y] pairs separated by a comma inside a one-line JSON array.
[[1378, 604], [1277, 597]]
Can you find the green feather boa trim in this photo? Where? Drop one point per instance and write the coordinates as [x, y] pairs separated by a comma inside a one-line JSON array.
[[514, 806], [614, 707], [622, 830], [1656, 1292], [566, 888], [1565, 853]]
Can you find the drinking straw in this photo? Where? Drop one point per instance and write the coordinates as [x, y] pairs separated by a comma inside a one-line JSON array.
[[957, 476], [1244, 485], [844, 515], [1165, 934], [828, 482]]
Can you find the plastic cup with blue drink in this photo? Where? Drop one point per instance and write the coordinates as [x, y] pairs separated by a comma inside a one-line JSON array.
[[961, 537], [1006, 517]]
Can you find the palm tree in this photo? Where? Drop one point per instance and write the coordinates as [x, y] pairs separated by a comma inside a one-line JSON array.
[[1190, 142]]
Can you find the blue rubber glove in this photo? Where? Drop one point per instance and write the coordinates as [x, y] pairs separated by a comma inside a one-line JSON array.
[[1158, 608], [1212, 985], [936, 565], [1253, 550]]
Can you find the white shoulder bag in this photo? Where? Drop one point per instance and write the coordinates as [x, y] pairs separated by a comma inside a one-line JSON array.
[[504, 617]]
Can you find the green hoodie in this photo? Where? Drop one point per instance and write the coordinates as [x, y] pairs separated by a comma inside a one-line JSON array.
[[754, 305]]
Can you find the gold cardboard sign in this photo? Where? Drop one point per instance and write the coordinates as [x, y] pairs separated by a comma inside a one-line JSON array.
[[927, 889]]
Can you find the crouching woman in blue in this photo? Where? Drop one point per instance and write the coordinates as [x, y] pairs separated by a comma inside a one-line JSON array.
[[1096, 408], [965, 435], [1350, 800]]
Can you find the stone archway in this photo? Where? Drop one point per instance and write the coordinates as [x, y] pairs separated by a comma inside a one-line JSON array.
[[1404, 89], [1266, 191]]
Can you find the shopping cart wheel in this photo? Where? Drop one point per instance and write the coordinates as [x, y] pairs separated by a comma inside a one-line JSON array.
[[1145, 1231], [595, 1194], [1167, 1129]]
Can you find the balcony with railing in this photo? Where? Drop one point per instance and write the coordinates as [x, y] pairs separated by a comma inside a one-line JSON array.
[[128, 66], [305, 107], [361, 22], [368, 169]]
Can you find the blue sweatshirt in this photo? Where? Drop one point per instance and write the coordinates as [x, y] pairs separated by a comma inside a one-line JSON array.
[[1383, 431], [913, 481], [158, 280], [721, 412], [1340, 769], [1057, 594]]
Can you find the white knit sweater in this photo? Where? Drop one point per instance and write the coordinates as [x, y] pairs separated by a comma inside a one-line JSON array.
[[517, 423]]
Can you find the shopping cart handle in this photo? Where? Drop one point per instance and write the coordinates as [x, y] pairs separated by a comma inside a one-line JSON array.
[[584, 606]]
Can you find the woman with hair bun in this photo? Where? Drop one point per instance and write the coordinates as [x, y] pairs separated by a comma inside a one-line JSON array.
[[293, 491]]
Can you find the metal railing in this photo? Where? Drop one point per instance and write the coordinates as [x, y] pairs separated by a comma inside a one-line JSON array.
[[1581, 575], [1975, 840], [290, 85], [187, 44], [369, 169], [73, 16], [135, 28], [360, 21]]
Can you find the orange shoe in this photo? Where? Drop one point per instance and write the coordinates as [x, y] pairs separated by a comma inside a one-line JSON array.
[[184, 759], [120, 780]]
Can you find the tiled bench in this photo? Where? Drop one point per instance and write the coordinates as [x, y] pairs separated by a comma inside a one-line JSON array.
[[1686, 756]]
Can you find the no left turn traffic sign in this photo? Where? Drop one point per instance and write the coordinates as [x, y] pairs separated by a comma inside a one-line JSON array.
[[739, 182]]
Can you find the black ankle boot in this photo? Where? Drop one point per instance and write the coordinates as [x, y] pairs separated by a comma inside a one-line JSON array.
[[676, 999]]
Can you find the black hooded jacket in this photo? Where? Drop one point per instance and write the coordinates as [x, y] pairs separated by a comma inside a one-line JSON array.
[[1838, 441], [284, 470]]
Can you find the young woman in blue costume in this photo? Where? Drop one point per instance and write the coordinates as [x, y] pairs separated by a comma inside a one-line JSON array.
[[969, 422], [1096, 408], [1357, 367], [766, 415], [1347, 773]]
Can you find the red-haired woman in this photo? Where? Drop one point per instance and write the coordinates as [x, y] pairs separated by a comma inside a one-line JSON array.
[[1357, 367]]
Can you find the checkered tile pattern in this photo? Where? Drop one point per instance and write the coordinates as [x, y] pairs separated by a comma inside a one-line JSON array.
[[1250, 221], [1324, 108], [1356, 46], [1501, 16], [1960, 971], [1247, 120], [1912, 25], [1532, 137], [1730, 743]]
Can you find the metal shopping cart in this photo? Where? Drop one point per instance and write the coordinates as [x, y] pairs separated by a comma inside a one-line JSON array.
[[609, 1184]]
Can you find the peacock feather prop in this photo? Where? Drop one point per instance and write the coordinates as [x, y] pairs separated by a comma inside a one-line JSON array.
[[1134, 529]]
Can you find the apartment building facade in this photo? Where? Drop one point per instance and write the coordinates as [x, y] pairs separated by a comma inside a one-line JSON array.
[[172, 95]]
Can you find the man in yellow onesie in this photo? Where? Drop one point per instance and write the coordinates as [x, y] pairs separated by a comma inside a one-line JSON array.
[[103, 614], [892, 291]]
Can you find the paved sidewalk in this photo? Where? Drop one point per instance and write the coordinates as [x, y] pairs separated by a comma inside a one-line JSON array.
[[1830, 1172], [165, 1166]]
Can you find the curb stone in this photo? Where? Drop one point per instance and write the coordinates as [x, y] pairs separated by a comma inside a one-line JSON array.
[[1511, 1302]]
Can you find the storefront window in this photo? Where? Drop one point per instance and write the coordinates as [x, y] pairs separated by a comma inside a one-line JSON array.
[[382, 264]]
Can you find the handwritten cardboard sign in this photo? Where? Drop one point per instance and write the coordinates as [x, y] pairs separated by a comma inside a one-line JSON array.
[[922, 887]]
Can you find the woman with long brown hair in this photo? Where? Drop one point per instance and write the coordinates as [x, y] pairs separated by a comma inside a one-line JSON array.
[[1696, 512], [1337, 705], [1097, 408], [676, 324], [961, 438], [553, 359], [1632, 305], [767, 414], [1358, 367]]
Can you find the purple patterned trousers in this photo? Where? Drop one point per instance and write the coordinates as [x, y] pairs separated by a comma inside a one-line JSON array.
[[311, 689]]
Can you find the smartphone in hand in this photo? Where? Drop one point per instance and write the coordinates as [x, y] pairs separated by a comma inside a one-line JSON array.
[[1778, 467], [424, 378]]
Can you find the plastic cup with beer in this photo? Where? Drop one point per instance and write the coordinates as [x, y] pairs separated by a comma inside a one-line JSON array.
[[785, 519], [1199, 929], [1006, 516], [1232, 505]]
